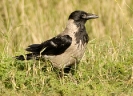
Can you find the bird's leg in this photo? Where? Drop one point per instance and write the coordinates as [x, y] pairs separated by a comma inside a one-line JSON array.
[[74, 67], [62, 72]]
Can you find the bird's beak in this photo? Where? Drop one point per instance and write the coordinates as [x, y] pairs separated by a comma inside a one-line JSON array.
[[91, 16]]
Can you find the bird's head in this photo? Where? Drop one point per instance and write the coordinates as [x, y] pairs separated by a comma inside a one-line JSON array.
[[81, 16]]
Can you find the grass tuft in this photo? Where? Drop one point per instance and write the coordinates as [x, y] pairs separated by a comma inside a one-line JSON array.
[[106, 68]]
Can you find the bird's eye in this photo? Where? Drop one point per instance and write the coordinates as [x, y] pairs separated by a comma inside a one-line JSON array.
[[83, 16]]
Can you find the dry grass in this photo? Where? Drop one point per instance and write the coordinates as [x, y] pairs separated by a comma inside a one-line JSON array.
[[106, 68]]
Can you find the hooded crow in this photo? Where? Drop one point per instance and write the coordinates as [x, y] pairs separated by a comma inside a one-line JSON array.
[[68, 47]]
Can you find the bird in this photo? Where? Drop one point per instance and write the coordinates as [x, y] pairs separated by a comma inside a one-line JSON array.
[[66, 48]]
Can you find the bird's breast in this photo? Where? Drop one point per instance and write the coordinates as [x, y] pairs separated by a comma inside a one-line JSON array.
[[71, 56]]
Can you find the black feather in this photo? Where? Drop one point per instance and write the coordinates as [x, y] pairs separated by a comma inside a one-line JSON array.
[[54, 46], [33, 48], [57, 45], [25, 57]]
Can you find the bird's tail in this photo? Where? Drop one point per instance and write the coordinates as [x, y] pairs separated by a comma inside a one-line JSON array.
[[26, 56]]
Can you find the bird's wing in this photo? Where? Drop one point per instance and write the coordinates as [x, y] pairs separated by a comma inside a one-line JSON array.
[[54, 46]]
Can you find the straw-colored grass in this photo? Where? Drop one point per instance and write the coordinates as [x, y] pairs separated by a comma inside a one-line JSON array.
[[106, 68]]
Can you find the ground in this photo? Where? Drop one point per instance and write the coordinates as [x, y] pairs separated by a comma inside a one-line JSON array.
[[106, 68]]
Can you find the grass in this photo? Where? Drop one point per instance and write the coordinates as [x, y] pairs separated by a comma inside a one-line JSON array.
[[106, 68]]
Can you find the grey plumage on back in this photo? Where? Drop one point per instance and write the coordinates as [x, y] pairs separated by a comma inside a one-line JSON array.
[[68, 47]]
